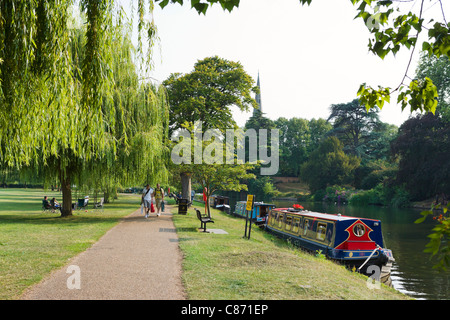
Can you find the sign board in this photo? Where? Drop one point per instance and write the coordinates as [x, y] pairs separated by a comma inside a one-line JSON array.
[[249, 202]]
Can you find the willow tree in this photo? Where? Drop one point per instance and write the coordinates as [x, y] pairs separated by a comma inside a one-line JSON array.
[[56, 101]]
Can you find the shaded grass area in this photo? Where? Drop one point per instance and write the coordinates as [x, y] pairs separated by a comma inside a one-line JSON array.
[[227, 266], [33, 243]]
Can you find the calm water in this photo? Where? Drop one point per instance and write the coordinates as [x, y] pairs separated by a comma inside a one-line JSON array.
[[412, 271]]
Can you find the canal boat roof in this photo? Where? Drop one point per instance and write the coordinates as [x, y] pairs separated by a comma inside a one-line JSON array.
[[318, 215], [259, 203]]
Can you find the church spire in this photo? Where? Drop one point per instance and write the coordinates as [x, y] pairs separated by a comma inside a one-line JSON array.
[[258, 97]]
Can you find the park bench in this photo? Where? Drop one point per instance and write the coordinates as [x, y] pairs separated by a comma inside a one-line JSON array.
[[203, 219]]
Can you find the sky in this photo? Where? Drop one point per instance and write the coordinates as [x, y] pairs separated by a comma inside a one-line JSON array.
[[308, 57]]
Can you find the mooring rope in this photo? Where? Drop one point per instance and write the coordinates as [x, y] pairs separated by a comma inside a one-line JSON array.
[[378, 247]]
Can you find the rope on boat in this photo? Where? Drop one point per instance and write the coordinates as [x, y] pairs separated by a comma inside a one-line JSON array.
[[378, 247]]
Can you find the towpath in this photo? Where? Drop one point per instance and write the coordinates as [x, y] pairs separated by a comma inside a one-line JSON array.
[[139, 259]]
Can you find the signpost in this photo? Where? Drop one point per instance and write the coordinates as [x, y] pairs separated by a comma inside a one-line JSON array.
[[248, 209], [205, 197]]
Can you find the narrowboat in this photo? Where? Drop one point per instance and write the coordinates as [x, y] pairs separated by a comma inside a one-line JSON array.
[[220, 202], [259, 213], [355, 242]]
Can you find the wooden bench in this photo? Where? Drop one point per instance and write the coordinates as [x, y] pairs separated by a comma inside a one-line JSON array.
[[204, 220]]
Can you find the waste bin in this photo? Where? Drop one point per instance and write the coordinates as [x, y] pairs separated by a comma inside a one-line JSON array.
[[182, 206]]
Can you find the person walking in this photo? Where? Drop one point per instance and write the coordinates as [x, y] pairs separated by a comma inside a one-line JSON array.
[[147, 199], [158, 194]]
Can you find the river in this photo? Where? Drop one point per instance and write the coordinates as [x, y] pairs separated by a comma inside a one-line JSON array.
[[412, 271]]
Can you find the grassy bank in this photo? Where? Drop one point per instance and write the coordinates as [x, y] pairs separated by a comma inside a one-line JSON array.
[[227, 266], [33, 243]]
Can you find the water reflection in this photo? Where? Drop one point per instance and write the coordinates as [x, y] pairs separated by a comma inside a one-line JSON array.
[[412, 271]]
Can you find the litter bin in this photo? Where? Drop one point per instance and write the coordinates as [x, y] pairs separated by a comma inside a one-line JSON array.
[[182, 206]]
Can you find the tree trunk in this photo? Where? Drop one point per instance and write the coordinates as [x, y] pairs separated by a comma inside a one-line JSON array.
[[186, 185], [66, 209], [106, 196], [207, 205]]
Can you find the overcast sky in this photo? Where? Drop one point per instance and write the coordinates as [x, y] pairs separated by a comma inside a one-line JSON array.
[[308, 57]]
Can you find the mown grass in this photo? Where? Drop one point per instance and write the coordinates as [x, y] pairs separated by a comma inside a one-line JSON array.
[[229, 267], [33, 243], [215, 266]]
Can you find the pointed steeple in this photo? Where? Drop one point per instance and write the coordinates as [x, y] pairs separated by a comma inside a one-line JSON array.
[[258, 97]]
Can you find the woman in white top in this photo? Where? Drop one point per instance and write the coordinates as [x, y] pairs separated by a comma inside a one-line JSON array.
[[147, 199]]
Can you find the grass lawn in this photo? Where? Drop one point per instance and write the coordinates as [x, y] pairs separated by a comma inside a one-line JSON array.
[[229, 267], [33, 243], [215, 266]]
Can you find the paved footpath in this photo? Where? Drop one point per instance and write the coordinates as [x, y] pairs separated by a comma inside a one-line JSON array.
[[139, 259]]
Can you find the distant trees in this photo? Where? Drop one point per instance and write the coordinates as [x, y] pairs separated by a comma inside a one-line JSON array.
[[354, 126], [298, 138], [328, 165], [438, 70], [423, 147]]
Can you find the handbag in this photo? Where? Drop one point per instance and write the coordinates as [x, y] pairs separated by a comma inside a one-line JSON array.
[[152, 208]]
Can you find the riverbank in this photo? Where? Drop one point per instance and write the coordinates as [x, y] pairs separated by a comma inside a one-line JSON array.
[[225, 266], [291, 189], [220, 266]]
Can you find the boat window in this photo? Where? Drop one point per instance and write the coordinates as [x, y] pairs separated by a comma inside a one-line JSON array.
[[288, 225], [273, 217], [321, 231], [305, 226], [296, 225], [359, 230], [280, 220], [262, 211]]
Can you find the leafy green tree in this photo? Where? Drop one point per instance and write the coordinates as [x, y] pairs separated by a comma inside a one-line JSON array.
[[206, 96], [354, 125], [423, 148], [328, 165], [363, 135], [317, 132], [214, 172], [259, 121], [438, 70], [222, 177], [208, 93], [438, 245], [295, 139]]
